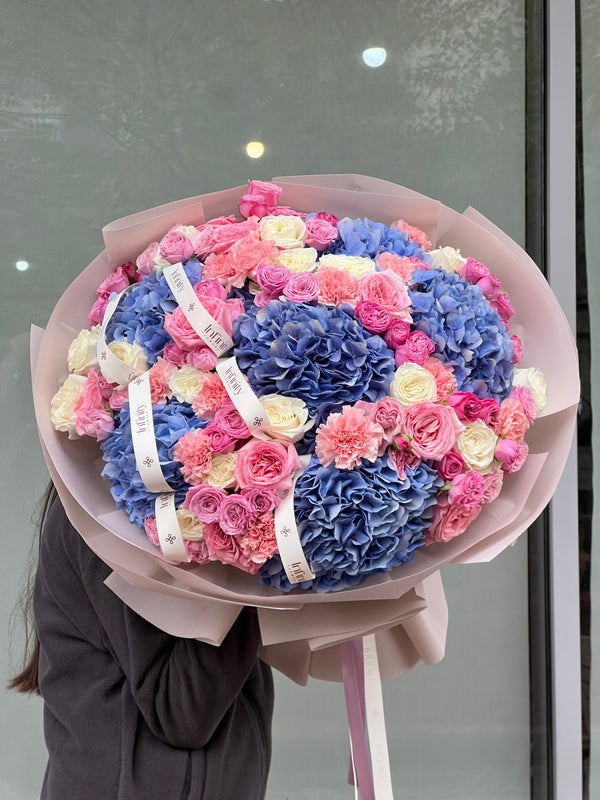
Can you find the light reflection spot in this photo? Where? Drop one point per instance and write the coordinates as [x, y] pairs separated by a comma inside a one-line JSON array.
[[255, 149], [22, 265], [374, 56]]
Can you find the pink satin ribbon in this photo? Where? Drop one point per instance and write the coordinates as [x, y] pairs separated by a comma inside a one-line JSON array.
[[354, 691]]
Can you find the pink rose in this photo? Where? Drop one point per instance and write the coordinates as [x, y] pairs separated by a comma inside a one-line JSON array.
[[201, 358], [387, 290], [263, 463], [221, 546], [489, 411], [302, 287], [130, 271], [262, 501], [221, 441], [449, 521], [118, 399], [235, 514], [115, 282], [417, 349], [402, 457], [466, 405], [433, 429], [95, 422], [174, 355], [493, 486], [230, 421], [467, 489], [196, 551], [320, 233], [96, 315], [285, 211], [502, 306], [145, 262], [450, 465], [272, 278], [388, 413], [182, 333], [517, 349], [240, 261], [218, 235], [375, 318], [506, 451], [258, 541], [204, 502], [175, 247], [210, 289], [267, 192], [519, 459], [397, 333], [524, 395]]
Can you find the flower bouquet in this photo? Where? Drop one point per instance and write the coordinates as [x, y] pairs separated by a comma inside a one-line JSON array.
[[305, 398]]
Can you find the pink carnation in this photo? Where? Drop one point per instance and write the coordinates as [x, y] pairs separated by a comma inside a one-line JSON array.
[[152, 530], [96, 391], [196, 551], [402, 266], [449, 521], [320, 233], [347, 438], [512, 422], [258, 542], [388, 291], [264, 463], [445, 382], [118, 398], [493, 486], [336, 286], [95, 422], [417, 348], [194, 451], [525, 396], [210, 397], [414, 234], [467, 489], [159, 376], [241, 261], [175, 355], [432, 429]]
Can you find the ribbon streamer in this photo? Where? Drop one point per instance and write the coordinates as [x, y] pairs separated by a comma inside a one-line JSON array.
[[113, 369], [142, 435], [242, 396], [288, 540], [167, 526], [207, 328]]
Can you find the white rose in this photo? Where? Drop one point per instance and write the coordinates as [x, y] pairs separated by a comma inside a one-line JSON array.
[[413, 384], [186, 383], [477, 444], [188, 230], [288, 417], [131, 354], [222, 471], [447, 258], [534, 379], [355, 265], [189, 525], [287, 232], [82, 351], [299, 259], [62, 406]]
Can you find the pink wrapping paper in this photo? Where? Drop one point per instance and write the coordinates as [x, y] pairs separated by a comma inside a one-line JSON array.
[[406, 607]]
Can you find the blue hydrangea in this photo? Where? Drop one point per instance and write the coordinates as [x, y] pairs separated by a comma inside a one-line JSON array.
[[140, 314], [363, 237], [355, 524], [171, 422], [468, 334], [321, 354]]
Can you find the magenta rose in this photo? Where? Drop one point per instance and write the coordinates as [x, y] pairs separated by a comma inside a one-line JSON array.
[[450, 465], [176, 247], [517, 349], [417, 348], [302, 287], [320, 233], [230, 421], [205, 501], [397, 333], [467, 489], [449, 521], [466, 405], [235, 514], [432, 429], [473, 271], [502, 306], [262, 501], [489, 411], [374, 317], [270, 464]]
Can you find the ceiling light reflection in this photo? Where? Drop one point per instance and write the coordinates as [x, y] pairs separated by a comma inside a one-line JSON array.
[[374, 56], [22, 265], [255, 149]]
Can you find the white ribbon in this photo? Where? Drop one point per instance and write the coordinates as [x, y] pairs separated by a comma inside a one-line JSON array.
[[142, 435], [380, 760], [113, 369], [242, 396], [167, 526], [288, 540], [207, 328]]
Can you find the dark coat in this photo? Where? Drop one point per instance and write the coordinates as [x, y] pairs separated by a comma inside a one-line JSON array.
[[132, 713]]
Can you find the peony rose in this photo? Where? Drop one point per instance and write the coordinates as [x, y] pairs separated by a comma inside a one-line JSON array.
[[82, 351], [355, 265], [320, 233], [533, 379], [269, 464], [262, 501], [493, 486], [288, 416], [220, 234], [467, 489], [117, 281], [204, 502], [448, 259], [272, 278], [397, 333], [389, 414], [506, 451], [221, 546], [221, 441], [374, 317], [432, 429], [185, 383], [201, 358], [302, 259], [502, 306], [402, 457], [302, 287], [231, 422], [96, 315], [175, 246], [449, 521], [417, 349], [235, 514], [489, 411], [477, 444], [473, 271], [287, 232], [413, 384], [388, 290]]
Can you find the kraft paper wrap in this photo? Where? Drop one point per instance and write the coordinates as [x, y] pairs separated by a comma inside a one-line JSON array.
[[406, 608]]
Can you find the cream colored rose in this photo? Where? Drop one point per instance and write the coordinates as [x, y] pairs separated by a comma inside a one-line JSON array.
[[286, 231], [131, 354], [477, 444], [189, 525], [447, 258], [288, 417], [82, 351], [222, 471], [188, 230], [300, 259], [413, 384], [62, 406], [186, 383], [533, 379], [355, 265]]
